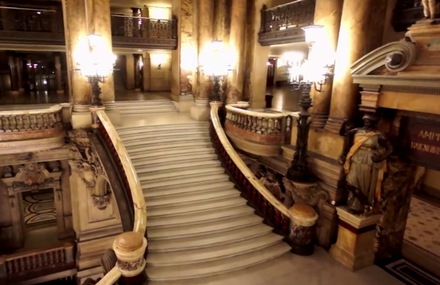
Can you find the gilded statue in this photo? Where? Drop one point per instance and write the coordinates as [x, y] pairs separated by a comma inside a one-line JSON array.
[[364, 165], [430, 9]]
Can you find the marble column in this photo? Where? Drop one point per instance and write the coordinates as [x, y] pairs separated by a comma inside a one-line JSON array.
[[237, 47], [13, 74], [99, 14], [205, 11], [361, 29], [257, 55], [76, 45], [59, 74], [129, 72], [79, 21], [328, 14], [222, 21], [146, 72], [19, 69]]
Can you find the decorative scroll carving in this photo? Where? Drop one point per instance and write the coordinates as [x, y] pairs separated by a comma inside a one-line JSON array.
[[87, 165], [395, 56]]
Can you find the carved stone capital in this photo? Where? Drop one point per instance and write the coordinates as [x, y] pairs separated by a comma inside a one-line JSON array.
[[308, 193]]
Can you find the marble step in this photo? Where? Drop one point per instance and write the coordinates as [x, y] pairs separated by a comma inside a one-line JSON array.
[[196, 207], [203, 241], [183, 182], [135, 150], [142, 102], [177, 175], [195, 146], [174, 158], [178, 189], [210, 268], [163, 128], [181, 140], [212, 215], [147, 135], [141, 131], [145, 110], [139, 157], [219, 227], [212, 253], [207, 196], [164, 167]]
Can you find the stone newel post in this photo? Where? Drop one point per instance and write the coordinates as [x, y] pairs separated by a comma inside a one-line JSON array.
[[130, 248]]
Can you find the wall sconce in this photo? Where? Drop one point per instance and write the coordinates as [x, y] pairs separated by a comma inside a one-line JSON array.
[[96, 64], [302, 75], [216, 67]]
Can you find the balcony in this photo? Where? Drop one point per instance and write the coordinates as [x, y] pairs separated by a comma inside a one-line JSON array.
[[31, 27], [282, 24]]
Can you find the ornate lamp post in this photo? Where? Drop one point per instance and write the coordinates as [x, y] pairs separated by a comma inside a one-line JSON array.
[[96, 65], [217, 68], [303, 75]]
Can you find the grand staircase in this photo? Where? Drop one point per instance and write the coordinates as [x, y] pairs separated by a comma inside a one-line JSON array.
[[198, 225]]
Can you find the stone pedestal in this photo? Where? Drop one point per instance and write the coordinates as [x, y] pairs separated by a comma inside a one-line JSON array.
[[185, 103], [302, 228], [355, 245], [200, 110]]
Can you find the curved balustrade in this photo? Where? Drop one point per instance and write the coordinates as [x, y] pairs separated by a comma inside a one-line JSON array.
[[258, 132], [273, 210], [31, 130], [140, 211]]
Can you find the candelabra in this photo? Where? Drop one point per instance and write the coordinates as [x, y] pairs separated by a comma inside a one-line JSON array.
[[303, 75]]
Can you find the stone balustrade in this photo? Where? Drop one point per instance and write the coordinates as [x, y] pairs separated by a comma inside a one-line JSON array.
[[261, 132], [31, 130], [25, 264]]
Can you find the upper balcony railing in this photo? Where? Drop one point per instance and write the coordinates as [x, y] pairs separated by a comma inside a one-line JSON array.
[[44, 26], [136, 31], [30, 25], [282, 23]]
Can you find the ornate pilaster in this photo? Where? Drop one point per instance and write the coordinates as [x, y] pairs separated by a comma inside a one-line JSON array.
[[95, 213]]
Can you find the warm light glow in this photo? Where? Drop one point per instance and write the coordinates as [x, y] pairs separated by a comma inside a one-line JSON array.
[[162, 13], [216, 60], [313, 33], [188, 59], [158, 60], [94, 58]]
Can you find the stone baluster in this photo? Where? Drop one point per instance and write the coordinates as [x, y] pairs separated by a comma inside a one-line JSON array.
[[26, 122], [5, 124], [13, 123]]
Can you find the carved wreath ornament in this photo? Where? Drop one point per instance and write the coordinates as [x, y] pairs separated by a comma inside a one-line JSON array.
[[88, 166]]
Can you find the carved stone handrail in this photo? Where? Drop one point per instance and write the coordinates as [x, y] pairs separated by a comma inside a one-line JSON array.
[[273, 210], [31, 130], [258, 132], [140, 210]]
